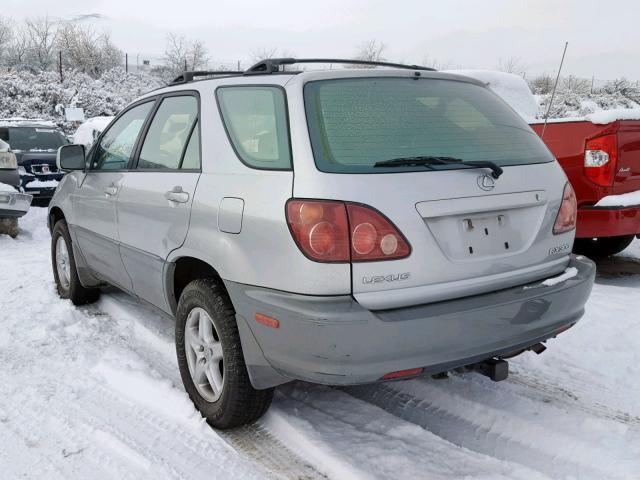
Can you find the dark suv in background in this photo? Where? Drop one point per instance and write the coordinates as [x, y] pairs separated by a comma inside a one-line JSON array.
[[35, 143]]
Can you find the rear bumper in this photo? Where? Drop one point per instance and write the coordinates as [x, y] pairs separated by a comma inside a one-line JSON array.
[[335, 341], [14, 205], [594, 222]]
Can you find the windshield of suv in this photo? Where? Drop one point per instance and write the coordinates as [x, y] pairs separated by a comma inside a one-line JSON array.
[[357, 122], [33, 138]]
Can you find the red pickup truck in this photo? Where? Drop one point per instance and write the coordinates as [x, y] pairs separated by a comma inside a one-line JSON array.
[[600, 154], [602, 160]]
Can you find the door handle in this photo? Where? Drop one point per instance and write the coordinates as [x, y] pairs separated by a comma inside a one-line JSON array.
[[111, 190], [177, 195]]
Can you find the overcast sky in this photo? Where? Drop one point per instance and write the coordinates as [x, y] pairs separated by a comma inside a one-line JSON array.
[[604, 37]]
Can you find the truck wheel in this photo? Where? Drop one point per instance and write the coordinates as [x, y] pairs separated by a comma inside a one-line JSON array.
[[603, 246], [9, 226], [210, 358], [64, 268]]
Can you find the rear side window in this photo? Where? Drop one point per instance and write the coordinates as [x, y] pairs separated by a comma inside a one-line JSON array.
[[166, 140], [256, 121], [354, 123], [116, 146]]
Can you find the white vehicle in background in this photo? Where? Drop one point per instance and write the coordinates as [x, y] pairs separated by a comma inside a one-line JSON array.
[[89, 130], [13, 204]]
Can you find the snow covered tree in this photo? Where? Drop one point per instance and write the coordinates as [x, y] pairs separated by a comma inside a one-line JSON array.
[[85, 50]]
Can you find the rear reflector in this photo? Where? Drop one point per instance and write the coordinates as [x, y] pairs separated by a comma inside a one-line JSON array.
[[402, 373], [267, 321]]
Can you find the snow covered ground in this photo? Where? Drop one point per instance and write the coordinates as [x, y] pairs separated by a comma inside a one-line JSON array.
[[94, 392]]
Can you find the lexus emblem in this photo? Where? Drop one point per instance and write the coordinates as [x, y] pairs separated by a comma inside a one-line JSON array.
[[486, 182]]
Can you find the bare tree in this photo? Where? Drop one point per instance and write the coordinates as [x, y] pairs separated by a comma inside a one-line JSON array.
[[181, 53], [371, 51], [41, 33], [512, 65], [6, 36], [263, 53]]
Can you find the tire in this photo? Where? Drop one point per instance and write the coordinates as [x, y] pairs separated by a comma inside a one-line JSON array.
[[602, 247], [9, 226], [67, 281], [218, 352]]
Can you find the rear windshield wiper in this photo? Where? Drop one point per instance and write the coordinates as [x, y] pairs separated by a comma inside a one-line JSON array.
[[429, 160]]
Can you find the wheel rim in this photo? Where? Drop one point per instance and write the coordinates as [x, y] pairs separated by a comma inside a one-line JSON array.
[[62, 262], [204, 354]]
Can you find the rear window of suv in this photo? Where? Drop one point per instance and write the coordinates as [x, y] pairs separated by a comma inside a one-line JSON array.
[[354, 123]]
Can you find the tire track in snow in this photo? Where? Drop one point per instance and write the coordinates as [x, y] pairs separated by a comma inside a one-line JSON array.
[[491, 430], [253, 442]]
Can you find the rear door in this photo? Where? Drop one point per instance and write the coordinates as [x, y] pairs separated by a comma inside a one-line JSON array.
[[154, 204], [95, 200]]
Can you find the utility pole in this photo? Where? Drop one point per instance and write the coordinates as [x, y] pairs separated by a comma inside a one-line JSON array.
[[238, 65], [60, 65], [126, 63], [185, 65]]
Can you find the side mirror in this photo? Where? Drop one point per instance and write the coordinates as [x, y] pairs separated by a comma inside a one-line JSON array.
[[71, 157]]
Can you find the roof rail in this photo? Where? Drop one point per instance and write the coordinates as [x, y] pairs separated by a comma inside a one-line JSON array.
[[272, 65], [186, 77]]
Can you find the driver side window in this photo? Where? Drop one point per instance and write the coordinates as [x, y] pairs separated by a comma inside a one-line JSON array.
[[116, 145]]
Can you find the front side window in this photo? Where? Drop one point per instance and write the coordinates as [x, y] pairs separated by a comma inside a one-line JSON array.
[[256, 121], [165, 143], [116, 146], [354, 123], [33, 139]]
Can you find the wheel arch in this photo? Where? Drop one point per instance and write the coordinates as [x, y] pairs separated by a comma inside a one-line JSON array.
[[55, 214], [183, 270]]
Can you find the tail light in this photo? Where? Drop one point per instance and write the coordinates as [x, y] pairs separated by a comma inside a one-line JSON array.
[[600, 159], [333, 231], [568, 213]]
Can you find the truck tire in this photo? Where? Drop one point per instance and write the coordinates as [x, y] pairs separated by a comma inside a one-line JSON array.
[[210, 357], [64, 268], [603, 246]]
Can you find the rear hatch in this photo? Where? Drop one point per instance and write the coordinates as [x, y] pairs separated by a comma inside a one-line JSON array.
[[469, 232]]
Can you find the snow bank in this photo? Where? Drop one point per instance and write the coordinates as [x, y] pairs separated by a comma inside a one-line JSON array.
[[624, 200], [513, 89], [607, 116], [87, 132]]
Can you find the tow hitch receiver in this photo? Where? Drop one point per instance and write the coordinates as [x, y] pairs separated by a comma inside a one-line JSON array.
[[493, 368]]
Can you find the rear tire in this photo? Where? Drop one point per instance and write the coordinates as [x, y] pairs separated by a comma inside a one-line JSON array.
[[212, 356], [603, 246], [64, 268]]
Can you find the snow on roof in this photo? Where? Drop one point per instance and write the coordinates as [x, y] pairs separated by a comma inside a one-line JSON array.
[[607, 116], [513, 89], [26, 122]]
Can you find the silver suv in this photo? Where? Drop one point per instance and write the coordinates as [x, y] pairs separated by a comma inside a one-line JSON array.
[[338, 227]]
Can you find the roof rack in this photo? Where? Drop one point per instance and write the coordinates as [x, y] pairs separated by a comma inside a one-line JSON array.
[[272, 65], [186, 77]]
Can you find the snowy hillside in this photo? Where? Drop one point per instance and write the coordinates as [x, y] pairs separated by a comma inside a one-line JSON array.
[[94, 392]]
